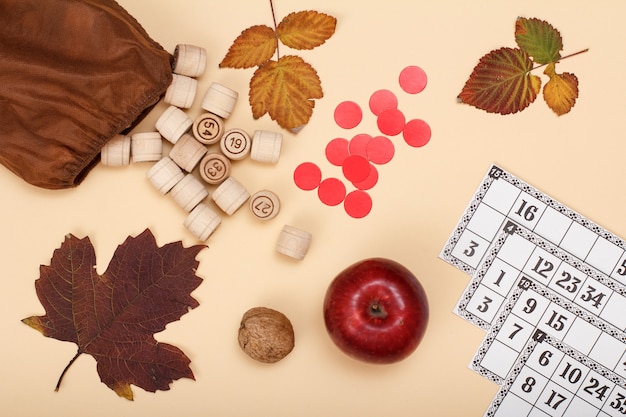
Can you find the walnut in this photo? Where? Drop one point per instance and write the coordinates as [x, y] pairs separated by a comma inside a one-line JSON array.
[[266, 335]]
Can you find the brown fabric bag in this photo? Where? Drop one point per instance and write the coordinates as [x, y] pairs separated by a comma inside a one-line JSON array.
[[73, 73]]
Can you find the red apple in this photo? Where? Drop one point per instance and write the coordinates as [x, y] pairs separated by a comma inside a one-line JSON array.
[[376, 311]]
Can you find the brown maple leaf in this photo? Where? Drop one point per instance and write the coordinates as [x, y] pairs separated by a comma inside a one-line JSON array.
[[113, 316]]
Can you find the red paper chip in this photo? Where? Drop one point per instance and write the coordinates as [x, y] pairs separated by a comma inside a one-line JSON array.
[[356, 168], [368, 182], [416, 133], [391, 122], [358, 144], [382, 100], [307, 176], [380, 150], [331, 191], [337, 151], [413, 79], [358, 204], [348, 114]]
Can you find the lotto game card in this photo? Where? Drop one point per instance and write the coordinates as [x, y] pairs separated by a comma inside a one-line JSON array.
[[519, 255], [552, 379], [534, 311], [548, 286], [501, 197]]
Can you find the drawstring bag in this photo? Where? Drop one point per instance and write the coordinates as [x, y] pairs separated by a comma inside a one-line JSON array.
[[73, 74]]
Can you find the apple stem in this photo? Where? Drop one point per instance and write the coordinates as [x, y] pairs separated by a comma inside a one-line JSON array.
[[377, 311]]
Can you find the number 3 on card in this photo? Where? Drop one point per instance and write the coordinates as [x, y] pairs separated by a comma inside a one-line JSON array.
[[470, 248]]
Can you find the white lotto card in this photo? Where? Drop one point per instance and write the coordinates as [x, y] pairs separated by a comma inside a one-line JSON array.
[[501, 197], [549, 287], [551, 379], [534, 311], [518, 255]]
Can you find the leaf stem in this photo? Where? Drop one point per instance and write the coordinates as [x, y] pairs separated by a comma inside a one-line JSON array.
[[275, 30], [65, 370], [562, 58]]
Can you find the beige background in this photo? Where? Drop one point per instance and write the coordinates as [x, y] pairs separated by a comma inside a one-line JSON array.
[[577, 158]]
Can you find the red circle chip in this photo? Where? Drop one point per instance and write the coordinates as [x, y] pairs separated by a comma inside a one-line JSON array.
[[358, 144], [391, 122], [368, 182], [348, 114], [380, 150], [337, 151], [382, 100], [358, 204], [331, 191], [413, 79], [307, 176], [417, 133], [356, 168]]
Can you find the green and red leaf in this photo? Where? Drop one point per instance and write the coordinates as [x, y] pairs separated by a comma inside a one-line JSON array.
[[538, 39], [501, 82]]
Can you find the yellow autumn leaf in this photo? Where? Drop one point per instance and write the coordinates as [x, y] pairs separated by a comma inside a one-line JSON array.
[[285, 89], [306, 29], [251, 48], [561, 91]]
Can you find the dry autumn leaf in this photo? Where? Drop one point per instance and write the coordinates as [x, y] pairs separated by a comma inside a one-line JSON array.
[[285, 90], [501, 82], [253, 47], [306, 29], [561, 91], [113, 316]]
